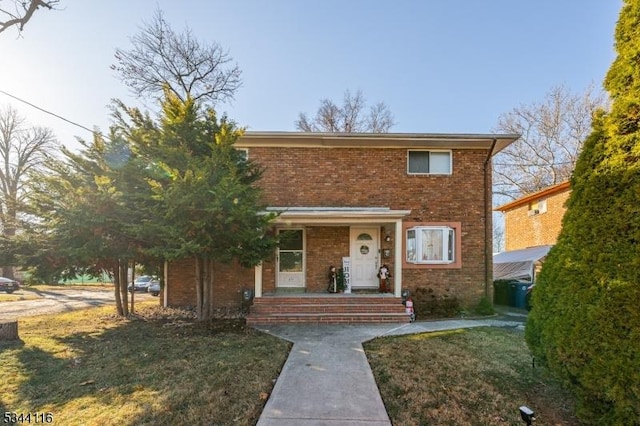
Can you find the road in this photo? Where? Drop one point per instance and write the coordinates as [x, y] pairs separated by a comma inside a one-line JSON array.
[[53, 301]]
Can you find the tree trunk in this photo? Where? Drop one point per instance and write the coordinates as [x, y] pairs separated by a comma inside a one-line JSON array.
[[199, 289], [116, 289], [206, 293], [9, 330], [9, 232], [204, 288], [122, 272], [209, 285], [133, 278]]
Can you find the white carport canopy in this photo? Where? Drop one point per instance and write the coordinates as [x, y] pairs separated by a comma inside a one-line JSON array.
[[518, 264]]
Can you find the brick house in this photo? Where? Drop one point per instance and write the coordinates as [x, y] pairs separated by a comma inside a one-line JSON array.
[[419, 203], [532, 226], [535, 219]]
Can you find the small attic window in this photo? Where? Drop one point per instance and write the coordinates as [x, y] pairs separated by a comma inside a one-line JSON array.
[[538, 207]]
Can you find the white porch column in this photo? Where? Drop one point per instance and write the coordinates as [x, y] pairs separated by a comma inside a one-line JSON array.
[[258, 280], [397, 259]]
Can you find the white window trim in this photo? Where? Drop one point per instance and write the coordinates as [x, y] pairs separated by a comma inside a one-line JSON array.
[[538, 207], [446, 248], [246, 152], [303, 251], [431, 150]]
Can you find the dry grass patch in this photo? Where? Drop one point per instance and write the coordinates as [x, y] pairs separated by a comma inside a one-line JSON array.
[[15, 297], [90, 367], [57, 287], [465, 377], [33, 292]]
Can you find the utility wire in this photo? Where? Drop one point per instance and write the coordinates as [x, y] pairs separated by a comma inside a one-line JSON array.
[[51, 113]]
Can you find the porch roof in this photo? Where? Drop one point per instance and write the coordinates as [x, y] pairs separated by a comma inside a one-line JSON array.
[[336, 215]]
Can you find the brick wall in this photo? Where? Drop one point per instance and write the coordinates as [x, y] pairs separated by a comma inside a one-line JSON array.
[[230, 280], [361, 177], [523, 230], [364, 177], [325, 247]]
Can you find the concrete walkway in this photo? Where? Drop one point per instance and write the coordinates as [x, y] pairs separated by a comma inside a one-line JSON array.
[[327, 380]]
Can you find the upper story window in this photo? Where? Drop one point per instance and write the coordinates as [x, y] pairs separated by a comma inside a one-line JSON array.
[[243, 153], [428, 162], [430, 245], [538, 206]]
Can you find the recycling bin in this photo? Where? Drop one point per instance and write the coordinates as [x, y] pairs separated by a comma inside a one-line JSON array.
[[518, 294]]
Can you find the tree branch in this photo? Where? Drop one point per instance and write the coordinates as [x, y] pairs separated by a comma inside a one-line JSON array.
[[21, 17]]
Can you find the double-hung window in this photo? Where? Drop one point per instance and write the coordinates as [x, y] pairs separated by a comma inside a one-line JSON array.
[[428, 162], [430, 245]]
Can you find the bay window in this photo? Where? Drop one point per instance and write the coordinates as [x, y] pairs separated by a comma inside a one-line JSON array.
[[430, 245]]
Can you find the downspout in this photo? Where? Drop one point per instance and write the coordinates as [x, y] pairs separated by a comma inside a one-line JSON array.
[[488, 225]]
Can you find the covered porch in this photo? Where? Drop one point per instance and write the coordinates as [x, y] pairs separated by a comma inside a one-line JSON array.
[[320, 237], [295, 284]]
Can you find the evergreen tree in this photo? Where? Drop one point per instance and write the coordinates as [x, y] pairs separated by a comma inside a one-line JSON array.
[[585, 321], [86, 217], [209, 205]]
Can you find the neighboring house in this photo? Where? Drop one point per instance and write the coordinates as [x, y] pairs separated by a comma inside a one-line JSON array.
[[532, 225], [535, 219], [419, 203]]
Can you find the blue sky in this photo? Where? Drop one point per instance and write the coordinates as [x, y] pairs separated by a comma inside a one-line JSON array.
[[440, 65]]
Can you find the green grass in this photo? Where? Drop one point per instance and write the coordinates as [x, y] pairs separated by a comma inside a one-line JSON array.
[[465, 377], [90, 367]]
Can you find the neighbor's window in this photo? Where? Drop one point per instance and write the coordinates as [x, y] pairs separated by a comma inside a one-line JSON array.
[[429, 162], [538, 206], [430, 244]]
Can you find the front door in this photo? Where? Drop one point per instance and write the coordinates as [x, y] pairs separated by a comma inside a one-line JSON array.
[[291, 258], [364, 257]]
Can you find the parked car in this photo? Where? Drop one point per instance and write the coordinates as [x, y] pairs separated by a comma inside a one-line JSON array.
[[141, 283], [154, 288], [8, 285]]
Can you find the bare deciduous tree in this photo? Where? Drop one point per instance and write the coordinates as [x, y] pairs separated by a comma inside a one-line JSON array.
[[350, 118], [552, 135], [163, 59], [21, 12], [22, 153]]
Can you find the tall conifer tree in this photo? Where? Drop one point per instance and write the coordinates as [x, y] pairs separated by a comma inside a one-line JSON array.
[[585, 321]]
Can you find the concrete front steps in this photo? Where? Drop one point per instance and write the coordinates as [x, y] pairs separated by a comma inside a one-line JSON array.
[[327, 309]]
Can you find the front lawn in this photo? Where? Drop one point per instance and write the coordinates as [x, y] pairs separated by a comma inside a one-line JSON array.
[[90, 367], [465, 377]]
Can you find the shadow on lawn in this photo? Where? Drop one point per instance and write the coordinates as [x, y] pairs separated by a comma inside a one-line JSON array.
[[156, 372]]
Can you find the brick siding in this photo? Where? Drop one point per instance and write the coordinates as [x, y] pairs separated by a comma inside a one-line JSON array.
[[365, 177], [523, 230], [229, 283]]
